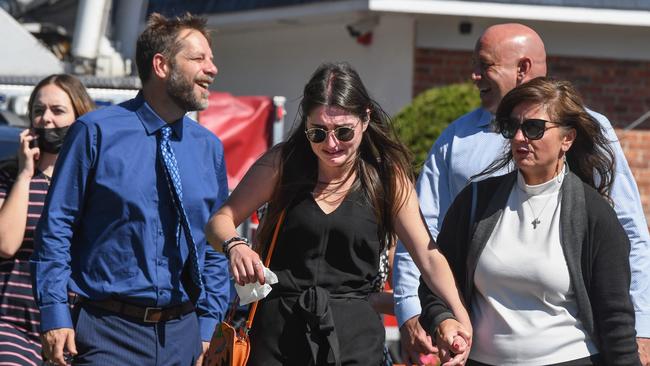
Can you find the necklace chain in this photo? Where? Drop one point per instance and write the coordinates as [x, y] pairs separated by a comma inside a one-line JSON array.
[[536, 216], [536, 221]]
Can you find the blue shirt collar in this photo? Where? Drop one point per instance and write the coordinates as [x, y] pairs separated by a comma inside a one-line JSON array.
[[152, 121], [485, 119]]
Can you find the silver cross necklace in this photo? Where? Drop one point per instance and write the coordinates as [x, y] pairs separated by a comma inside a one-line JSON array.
[[536, 221]]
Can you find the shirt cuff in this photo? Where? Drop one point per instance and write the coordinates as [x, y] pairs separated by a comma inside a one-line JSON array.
[[55, 316], [407, 308], [642, 325], [207, 326]]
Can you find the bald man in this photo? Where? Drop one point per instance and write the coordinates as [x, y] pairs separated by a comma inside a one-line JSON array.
[[506, 55]]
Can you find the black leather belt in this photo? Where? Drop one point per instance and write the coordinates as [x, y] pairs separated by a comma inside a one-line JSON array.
[[141, 313]]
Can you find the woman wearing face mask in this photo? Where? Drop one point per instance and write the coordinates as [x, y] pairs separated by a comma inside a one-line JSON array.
[[344, 181], [55, 103], [539, 253]]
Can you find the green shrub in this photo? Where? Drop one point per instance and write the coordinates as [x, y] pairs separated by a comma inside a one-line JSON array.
[[420, 123]]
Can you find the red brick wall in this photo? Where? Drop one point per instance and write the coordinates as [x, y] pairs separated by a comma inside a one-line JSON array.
[[636, 146], [435, 67], [618, 89]]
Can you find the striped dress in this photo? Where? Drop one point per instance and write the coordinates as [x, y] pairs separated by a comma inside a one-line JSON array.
[[19, 316]]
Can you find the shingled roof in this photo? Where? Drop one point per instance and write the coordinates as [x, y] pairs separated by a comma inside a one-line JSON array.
[[172, 7]]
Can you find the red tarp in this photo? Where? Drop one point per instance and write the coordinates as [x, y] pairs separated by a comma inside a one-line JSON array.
[[245, 126]]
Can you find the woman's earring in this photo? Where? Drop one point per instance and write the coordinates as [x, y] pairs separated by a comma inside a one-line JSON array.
[[560, 177]]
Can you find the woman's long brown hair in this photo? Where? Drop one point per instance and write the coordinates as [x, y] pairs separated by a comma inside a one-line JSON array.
[[382, 164]]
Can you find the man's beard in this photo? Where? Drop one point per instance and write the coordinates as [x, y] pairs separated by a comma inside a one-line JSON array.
[[181, 91]]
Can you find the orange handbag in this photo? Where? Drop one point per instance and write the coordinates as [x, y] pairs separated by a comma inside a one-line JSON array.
[[230, 345]]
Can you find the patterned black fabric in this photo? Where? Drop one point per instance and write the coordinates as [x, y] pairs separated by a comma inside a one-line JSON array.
[[19, 315]]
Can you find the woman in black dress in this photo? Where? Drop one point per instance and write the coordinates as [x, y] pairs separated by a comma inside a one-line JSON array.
[[344, 181]]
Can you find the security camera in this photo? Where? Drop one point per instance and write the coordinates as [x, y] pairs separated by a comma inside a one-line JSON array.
[[362, 26], [465, 27]]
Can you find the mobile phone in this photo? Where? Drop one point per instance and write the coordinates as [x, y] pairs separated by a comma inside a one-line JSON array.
[[33, 143]]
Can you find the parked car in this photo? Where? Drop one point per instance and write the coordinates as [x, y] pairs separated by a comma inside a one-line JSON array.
[[8, 141], [12, 119]]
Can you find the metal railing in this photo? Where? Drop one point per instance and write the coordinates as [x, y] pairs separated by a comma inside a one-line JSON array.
[[638, 121]]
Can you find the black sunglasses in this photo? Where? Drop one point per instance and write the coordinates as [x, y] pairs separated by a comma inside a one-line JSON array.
[[533, 128], [318, 135]]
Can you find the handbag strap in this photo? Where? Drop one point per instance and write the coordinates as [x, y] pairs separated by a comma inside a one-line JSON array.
[[267, 261]]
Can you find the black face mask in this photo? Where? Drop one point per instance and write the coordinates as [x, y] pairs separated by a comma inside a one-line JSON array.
[[50, 139]]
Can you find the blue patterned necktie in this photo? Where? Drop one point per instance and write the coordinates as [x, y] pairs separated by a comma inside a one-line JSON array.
[[176, 188]]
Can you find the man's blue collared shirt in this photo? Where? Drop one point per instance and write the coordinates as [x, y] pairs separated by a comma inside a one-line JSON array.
[[109, 224], [466, 148]]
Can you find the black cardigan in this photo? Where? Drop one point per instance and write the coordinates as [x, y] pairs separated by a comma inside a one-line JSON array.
[[594, 244]]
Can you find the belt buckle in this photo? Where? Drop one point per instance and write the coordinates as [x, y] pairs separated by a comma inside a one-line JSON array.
[[146, 315], [74, 298]]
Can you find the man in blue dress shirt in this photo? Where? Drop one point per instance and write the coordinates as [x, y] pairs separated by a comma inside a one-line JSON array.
[[123, 223], [505, 56]]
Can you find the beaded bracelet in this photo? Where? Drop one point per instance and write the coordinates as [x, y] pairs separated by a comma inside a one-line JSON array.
[[234, 245], [225, 244]]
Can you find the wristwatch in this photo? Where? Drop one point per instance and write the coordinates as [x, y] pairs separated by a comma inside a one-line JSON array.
[[224, 246]]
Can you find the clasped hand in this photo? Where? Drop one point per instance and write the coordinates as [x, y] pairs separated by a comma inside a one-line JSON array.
[[454, 342]]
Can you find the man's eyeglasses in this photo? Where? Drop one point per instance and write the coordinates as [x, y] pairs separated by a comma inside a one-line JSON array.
[[318, 135], [533, 128]]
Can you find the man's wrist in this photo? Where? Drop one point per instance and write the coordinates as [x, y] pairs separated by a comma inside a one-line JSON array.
[[406, 309], [642, 324], [410, 321], [207, 326], [55, 316]]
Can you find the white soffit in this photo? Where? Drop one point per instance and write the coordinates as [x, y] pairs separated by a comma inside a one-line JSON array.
[[324, 10], [287, 13], [639, 18]]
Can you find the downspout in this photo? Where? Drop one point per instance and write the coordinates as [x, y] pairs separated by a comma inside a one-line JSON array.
[[90, 26], [129, 21]]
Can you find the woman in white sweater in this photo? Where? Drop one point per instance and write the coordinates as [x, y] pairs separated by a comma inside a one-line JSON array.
[[539, 254]]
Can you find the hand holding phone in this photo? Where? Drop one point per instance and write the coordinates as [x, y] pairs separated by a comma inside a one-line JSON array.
[[33, 143], [27, 155]]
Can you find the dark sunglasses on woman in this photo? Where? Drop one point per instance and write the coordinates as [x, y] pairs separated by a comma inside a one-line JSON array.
[[533, 128], [318, 135]]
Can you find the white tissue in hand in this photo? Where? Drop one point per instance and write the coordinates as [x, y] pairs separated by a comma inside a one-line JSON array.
[[254, 291]]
